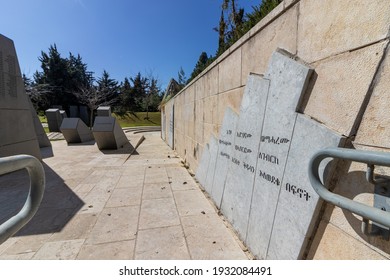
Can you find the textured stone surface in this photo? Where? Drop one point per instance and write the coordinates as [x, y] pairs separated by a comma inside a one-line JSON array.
[[117, 222], [330, 27], [54, 119], [288, 82], [225, 152], [159, 212], [298, 203], [171, 124], [166, 243], [230, 72], [75, 131], [59, 250], [207, 239], [281, 33], [122, 250], [374, 129], [108, 134], [191, 202], [213, 150], [104, 111], [335, 244], [42, 138], [341, 85], [201, 172], [16, 124], [237, 196]]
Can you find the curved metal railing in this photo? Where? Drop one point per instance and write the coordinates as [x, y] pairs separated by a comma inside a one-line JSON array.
[[370, 158], [34, 198]]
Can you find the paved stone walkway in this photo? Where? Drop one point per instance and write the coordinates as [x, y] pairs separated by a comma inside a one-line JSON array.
[[105, 205]]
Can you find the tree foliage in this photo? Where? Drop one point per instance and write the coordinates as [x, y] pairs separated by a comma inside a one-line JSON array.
[[202, 63], [233, 24], [67, 81]]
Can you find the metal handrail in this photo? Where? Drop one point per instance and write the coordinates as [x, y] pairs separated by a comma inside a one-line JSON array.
[[34, 198], [369, 157]]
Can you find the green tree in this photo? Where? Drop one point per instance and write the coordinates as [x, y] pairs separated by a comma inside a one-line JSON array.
[[202, 63], [138, 91], [108, 87], [182, 79], [59, 78]]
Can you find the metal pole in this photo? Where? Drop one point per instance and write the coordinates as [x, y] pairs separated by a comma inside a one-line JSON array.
[[369, 157], [34, 198]]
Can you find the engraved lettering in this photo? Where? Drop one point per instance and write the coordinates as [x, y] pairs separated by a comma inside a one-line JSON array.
[[249, 167], [274, 140], [243, 135], [225, 155], [242, 149], [269, 158], [269, 178], [299, 192], [223, 142]]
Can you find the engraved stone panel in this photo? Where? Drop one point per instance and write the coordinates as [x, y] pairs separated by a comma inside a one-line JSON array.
[[225, 150], [16, 123], [298, 203], [213, 150], [239, 182], [201, 172], [288, 82]]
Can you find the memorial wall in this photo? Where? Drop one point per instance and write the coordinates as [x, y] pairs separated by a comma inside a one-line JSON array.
[[18, 133], [311, 74]]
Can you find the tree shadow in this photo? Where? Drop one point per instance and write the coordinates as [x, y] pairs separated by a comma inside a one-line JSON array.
[[58, 206]]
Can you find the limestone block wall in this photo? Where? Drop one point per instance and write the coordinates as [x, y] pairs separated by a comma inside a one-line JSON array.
[[346, 43]]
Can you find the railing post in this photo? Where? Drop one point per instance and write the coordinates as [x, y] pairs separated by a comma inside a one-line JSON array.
[[371, 158], [34, 198]]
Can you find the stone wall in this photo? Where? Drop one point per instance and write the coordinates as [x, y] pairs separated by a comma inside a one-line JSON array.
[[17, 130], [346, 43]]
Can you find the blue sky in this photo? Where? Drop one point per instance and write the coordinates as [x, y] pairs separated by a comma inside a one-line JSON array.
[[123, 37]]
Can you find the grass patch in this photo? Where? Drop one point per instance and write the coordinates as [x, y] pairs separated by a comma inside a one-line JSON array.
[[42, 119], [139, 119], [128, 120]]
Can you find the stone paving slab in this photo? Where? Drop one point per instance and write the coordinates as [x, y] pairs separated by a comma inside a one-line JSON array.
[[107, 205]]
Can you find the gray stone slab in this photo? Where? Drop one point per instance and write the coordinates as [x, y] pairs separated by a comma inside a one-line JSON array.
[[171, 123], [75, 131], [237, 196], [108, 134], [63, 114], [298, 203], [54, 119], [42, 138], [74, 111], [16, 124], [213, 150], [288, 82], [225, 149], [84, 115], [104, 111], [201, 172]]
